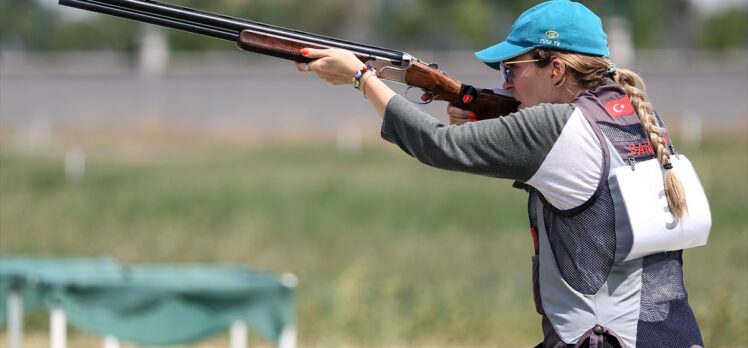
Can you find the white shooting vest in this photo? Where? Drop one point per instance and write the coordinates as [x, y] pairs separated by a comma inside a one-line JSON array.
[[613, 265]]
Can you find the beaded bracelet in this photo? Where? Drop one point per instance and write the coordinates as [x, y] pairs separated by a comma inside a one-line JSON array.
[[360, 73]]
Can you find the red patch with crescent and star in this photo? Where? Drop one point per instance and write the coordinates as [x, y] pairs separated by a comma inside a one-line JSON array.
[[620, 107]]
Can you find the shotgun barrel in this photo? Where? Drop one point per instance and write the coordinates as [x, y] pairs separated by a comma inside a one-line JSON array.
[[224, 27]]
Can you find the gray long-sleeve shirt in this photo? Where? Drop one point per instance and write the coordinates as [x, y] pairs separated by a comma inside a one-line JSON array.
[[549, 146]]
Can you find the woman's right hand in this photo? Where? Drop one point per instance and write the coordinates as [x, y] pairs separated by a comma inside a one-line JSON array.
[[459, 116]]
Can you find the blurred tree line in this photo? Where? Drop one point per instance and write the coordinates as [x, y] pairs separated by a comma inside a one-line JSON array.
[[41, 25]]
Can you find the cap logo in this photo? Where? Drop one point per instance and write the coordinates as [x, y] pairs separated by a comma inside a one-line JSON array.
[[552, 34]]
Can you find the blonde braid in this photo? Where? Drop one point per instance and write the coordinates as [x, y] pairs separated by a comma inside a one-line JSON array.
[[591, 72], [674, 191]]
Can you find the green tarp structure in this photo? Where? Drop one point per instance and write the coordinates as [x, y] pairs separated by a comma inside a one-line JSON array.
[[39, 281], [150, 304]]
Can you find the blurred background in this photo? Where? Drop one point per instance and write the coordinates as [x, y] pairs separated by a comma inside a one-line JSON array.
[[151, 145]]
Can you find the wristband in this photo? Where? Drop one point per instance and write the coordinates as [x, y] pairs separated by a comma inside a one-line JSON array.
[[366, 79]]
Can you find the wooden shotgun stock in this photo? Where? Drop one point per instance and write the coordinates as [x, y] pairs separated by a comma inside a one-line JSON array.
[[485, 103]]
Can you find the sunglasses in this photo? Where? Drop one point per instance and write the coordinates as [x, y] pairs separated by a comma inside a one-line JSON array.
[[506, 67]]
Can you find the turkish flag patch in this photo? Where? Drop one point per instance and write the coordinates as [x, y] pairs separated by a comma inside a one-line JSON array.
[[620, 107]]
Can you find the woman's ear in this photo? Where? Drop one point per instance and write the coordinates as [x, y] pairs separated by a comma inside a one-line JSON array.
[[558, 68], [558, 72]]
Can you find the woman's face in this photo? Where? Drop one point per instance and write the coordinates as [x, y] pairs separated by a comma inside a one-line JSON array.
[[530, 83]]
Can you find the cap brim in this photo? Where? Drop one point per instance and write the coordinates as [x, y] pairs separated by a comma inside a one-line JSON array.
[[494, 55]]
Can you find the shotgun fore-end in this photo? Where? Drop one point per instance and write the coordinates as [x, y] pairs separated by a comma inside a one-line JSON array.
[[279, 46], [275, 46]]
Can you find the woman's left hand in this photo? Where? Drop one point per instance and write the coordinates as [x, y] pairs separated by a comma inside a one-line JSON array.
[[336, 66], [459, 116]]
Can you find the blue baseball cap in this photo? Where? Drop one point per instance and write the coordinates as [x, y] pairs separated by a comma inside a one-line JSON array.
[[559, 25]]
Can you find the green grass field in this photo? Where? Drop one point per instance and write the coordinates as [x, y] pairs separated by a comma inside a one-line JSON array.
[[389, 252]]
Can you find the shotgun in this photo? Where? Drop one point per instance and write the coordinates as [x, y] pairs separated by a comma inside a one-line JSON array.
[[285, 43]]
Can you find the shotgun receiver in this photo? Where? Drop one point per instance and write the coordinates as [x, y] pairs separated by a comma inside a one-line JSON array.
[[285, 43]]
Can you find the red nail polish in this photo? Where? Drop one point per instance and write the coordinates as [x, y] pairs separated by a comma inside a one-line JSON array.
[[467, 99], [472, 117], [304, 51]]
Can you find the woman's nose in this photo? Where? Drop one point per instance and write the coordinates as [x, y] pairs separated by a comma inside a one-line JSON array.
[[507, 85]]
